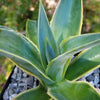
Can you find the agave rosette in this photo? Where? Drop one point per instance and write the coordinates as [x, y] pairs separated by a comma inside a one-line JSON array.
[[47, 50]]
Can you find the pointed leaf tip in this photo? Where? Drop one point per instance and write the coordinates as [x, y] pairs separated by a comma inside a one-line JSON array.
[[67, 19], [32, 31], [45, 32]]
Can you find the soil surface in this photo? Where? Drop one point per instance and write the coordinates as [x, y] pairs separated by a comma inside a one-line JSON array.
[[20, 81]]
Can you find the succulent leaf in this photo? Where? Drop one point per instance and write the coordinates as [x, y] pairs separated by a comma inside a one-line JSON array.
[[60, 39], [49, 52], [52, 63], [44, 33], [16, 44], [58, 64], [57, 67], [20, 50], [78, 41], [32, 31], [69, 90], [83, 63], [37, 93], [67, 19]]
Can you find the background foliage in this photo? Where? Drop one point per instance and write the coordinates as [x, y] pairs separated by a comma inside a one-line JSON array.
[[91, 21], [14, 13]]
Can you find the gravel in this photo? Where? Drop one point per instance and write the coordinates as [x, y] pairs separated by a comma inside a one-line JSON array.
[[20, 81], [93, 78]]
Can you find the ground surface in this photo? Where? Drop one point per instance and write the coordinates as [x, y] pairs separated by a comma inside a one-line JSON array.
[[20, 81]]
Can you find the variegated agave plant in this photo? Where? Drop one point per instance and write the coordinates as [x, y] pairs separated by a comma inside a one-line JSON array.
[[47, 50]]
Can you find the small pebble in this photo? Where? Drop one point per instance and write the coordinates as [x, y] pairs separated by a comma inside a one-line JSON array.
[[24, 75], [96, 79], [12, 96], [91, 82], [90, 78]]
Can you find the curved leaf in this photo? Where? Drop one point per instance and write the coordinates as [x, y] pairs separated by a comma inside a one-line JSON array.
[[45, 32], [37, 93], [32, 31], [20, 50], [15, 43], [83, 63], [67, 19], [78, 41], [56, 67], [68, 90]]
